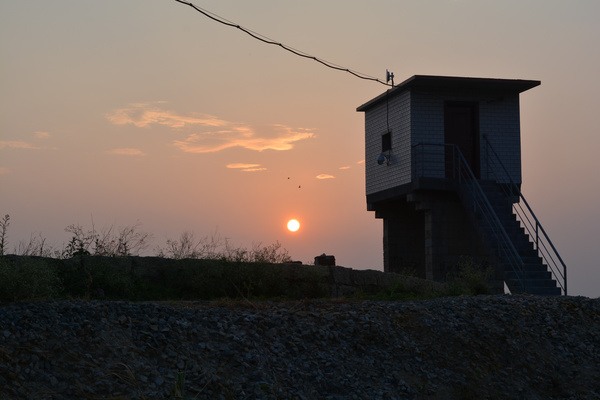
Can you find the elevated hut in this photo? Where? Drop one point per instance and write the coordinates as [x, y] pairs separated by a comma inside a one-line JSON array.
[[443, 171]]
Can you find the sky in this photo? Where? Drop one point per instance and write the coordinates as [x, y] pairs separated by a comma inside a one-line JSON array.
[[116, 112]]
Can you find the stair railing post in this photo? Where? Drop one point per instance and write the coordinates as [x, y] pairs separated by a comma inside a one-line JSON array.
[[487, 159], [565, 278], [456, 165]]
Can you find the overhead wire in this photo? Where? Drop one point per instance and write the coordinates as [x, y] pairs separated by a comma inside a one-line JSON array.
[[267, 40]]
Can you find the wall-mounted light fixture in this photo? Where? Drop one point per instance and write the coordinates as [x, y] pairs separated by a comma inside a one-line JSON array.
[[383, 158]]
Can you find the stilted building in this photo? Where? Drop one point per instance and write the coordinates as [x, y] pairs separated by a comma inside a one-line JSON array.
[[443, 171]]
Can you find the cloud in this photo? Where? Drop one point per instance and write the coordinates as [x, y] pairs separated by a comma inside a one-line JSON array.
[[254, 169], [241, 165], [17, 145], [146, 114], [271, 137], [247, 167], [127, 152], [41, 134], [207, 133], [346, 167], [360, 162], [3, 170], [325, 176]]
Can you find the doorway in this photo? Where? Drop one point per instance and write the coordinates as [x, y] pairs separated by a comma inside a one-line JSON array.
[[461, 128]]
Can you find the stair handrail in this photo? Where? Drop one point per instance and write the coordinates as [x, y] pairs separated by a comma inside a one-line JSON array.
[[506, 246], [533, 231]]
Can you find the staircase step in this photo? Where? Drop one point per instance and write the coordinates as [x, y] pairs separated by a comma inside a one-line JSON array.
[[538, 267], [526, 249], [535, 268], [545, 291], [527, 254], [539, 291], [512, 275], [532, 283], [532, 260]]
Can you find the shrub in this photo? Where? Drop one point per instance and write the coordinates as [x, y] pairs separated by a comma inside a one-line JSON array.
[[272, 253], [471, 278]]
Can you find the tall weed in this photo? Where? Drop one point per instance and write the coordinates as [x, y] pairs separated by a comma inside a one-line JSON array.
[[122, 242], [215, 247], [4, 223]]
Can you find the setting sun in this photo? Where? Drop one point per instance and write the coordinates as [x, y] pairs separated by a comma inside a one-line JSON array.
[[293, 225]]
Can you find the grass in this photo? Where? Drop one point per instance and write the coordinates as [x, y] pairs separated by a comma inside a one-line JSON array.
[[30, 280], [24, 278]]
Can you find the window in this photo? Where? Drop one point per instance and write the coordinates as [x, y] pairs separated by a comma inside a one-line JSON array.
[[386, 142]]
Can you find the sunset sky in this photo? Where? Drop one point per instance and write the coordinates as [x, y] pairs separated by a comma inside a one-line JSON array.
[[120, 111]]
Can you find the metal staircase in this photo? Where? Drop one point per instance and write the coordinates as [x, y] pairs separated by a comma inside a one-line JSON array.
[[533, 276], [505, 221]]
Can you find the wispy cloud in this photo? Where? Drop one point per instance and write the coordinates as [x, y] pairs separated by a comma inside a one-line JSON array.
[[146, 114], [17, 145], [272, 137], [254, 169], [241, 165], [3, 171], [127, 152], [349, 166], [247, 167], [41, 134], [207, 133], [325, 176]]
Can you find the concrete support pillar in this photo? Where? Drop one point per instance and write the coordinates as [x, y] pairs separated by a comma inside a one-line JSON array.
[[449, 234], [403, 238], [430, 243]]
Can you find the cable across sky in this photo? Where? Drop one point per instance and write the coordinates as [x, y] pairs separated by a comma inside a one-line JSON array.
[[267, 40]]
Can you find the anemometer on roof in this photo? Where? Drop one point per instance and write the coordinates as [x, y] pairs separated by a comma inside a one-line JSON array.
[[389, 76]]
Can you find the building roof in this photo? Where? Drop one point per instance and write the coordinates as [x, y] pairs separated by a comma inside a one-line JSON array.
[[456, 85]]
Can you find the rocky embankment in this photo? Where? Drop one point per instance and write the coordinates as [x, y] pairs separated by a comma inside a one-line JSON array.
[[496, 347]]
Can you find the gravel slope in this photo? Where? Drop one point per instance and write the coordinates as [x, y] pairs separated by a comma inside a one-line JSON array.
[[496, 347]]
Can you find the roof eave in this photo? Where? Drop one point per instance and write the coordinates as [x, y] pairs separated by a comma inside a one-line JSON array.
[[451, 83]]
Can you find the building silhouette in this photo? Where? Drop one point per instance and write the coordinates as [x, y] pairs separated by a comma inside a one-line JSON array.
[[443, 171]]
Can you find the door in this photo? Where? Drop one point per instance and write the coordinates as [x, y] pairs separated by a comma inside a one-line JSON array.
[[461, 128]]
